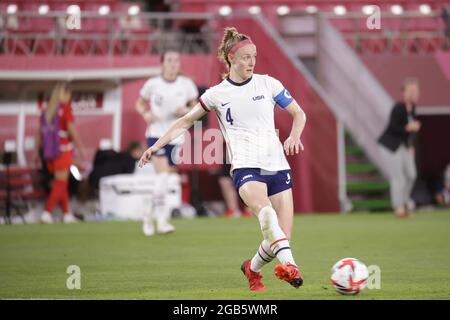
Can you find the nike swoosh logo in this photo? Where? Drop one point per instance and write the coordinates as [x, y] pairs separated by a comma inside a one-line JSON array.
[[287, 182], [224, 104]]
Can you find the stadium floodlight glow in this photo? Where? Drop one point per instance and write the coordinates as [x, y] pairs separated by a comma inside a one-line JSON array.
[[254, 10], [368, 10], [73, 9], [133, 10], [396, 9], [43, 9], [225, 10], [339, 10], [283, 10], [311, 9], [103, 10], [12, 8], [425, 9]]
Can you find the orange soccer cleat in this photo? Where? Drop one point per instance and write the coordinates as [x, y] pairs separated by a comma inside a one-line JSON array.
[[254, 278], [289, 273]]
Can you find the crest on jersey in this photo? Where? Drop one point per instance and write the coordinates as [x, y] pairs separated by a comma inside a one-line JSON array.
[[287, 94], [158, 99]]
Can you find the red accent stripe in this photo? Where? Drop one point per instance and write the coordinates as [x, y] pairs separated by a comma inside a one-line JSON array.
[[265, 251], [278, 241], [203, 105]]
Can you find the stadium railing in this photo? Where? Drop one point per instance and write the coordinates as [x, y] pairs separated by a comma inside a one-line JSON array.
[[114, 34], [409, 33]]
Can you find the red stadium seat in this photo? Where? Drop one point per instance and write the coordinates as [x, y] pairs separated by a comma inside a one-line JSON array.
[[19, 42], [345, 25], [135, 32], [44, 45], [22, 183], [140, 45], [99, 23], [78, 42], [38, 23], [396, 45], [430, 45]]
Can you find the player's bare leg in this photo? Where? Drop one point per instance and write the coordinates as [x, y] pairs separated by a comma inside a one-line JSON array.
[[255, 197], [283, 204]]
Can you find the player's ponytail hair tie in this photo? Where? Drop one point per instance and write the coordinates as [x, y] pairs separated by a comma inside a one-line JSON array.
[[240, 44]]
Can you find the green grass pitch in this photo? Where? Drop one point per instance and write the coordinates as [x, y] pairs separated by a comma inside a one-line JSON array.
[[202, 259]]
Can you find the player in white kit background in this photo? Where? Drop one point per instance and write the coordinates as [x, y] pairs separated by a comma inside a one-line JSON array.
[[162, 100], [244, 104]]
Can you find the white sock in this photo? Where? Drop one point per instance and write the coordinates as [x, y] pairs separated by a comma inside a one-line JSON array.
[[273, 234], [148, 213], [161, 211], [262, 257]]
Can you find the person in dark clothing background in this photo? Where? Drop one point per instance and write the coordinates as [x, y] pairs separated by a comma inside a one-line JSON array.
[[397, 148], [110, 162]]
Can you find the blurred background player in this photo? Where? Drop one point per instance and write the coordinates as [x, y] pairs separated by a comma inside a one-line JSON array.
[[170, 96], [397, 148], [54, 137], [244, 103], [443, 195]]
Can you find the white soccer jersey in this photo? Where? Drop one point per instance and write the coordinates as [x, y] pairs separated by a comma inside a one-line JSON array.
[[165, 98], [246, 116]]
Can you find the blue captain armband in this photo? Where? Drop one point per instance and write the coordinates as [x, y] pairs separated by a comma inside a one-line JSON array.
[[283, 99]]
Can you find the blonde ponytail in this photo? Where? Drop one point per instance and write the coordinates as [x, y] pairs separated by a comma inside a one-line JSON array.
[[230, 38], [55, 99]]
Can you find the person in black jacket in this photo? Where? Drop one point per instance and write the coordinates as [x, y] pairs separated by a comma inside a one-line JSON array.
[[397, 147], [110, 162]]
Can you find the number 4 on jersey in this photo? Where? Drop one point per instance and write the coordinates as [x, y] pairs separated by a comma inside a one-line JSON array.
[[228, 116]]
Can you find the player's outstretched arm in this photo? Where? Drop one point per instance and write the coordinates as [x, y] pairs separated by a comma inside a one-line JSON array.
[[293, 144], [176, 129]]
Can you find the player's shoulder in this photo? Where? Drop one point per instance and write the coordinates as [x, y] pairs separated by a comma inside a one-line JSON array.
[[185, 79], [258, 76], [265, 79], [218, 87], [153, 81]]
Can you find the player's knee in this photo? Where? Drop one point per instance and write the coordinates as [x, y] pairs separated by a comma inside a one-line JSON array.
[[267, 218]]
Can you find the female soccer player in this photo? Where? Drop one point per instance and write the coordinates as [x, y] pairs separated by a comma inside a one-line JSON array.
[[170, 97], [244, 104], [58, 118]]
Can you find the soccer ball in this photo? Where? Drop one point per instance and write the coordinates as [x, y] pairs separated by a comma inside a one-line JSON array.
[[349, 276]]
